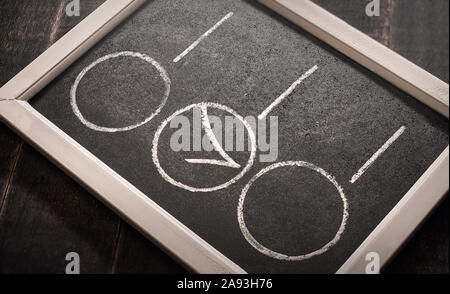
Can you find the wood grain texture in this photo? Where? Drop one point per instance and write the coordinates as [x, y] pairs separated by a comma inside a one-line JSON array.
[[418, 30], [44, 214], [420, 33], [136, 255], [15, 52]]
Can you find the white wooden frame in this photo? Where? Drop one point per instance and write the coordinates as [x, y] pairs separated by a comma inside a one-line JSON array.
[[152, 220]]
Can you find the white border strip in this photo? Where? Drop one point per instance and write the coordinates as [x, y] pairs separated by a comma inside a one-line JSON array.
[[403, 220], [115, 191], [432, 187], [149, 218], [366, 51]]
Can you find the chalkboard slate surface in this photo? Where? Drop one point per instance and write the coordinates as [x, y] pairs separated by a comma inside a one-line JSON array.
[[334, 121]]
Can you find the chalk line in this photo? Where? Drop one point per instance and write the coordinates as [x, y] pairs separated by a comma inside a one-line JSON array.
[[199, 40], [266, 251], [287, 92], [228, 161], [377, 154]]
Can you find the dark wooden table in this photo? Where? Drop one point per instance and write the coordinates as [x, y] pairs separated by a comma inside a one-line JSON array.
[[44, 214]]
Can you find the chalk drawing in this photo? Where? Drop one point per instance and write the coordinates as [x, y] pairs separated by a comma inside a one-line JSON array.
[[266, 251], [207, 126], [209, 189], [377, 154], [202, 37], [73, 91], [287, 92]]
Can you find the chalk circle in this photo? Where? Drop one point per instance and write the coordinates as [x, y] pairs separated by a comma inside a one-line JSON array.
[[210, 189], [146, 58], [264, 250]]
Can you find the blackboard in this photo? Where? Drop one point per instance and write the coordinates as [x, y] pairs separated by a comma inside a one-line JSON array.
[[329, 126]]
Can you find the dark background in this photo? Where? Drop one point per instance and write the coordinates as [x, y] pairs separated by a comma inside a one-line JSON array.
[[46, 214]]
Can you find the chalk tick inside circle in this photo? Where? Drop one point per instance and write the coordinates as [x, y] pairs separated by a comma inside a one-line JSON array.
[[204, 105]]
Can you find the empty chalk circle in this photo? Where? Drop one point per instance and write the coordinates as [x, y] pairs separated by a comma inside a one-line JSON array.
[[162, 73], [276, 255]]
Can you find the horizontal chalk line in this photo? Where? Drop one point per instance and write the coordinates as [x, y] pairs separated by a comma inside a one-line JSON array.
[[212, 162]]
